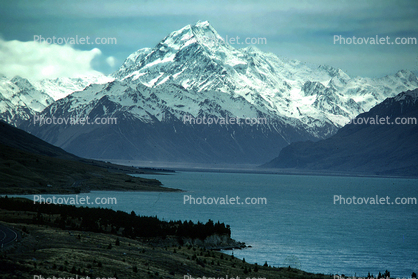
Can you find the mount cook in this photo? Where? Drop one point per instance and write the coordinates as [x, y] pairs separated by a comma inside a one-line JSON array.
[[187, 74]]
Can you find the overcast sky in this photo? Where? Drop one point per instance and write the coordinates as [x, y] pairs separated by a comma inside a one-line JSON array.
[[302, 30]]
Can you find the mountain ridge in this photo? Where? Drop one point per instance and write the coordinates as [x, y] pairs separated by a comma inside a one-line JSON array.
[[192, 72], [378, 147]]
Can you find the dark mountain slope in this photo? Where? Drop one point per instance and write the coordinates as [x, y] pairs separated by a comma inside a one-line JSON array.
[[378, 149], [19, 139], [29, 165]]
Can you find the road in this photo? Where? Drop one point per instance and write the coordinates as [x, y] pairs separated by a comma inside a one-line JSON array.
[[7, 235]]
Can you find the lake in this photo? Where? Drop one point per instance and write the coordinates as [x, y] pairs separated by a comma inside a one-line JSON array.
[[300, 225]]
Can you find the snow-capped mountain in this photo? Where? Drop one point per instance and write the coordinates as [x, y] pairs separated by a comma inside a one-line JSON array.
[[193, 73], [19, 99], [196, 58], [61, 87], [151, 128]]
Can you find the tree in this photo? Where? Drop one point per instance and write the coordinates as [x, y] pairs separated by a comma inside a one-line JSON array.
[[245, 270]]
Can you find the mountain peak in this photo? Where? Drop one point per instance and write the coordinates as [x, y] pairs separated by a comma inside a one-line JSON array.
[[406, 77], [411, 94], [22, 83], [332, 71], [201, 33], [178, 48], [202, 24], [405, 73]]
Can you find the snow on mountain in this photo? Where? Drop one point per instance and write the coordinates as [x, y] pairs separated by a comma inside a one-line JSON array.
[[151, 128], [61, 87], [19, 99], [196, 58], [192, 72]]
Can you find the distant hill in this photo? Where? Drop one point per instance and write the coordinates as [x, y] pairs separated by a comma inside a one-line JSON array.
[[28, 165], [376, 149], [19, 139]]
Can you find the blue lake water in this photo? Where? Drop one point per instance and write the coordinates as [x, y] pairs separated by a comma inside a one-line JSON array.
[[300, 225]]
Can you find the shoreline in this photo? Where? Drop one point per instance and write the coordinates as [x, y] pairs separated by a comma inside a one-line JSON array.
[[52, 251], [245, 168]]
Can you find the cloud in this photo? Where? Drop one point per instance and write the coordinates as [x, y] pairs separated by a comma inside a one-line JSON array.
[[34, 60], [111, 61]]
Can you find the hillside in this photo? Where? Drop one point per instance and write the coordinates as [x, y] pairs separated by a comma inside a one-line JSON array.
[[373, 149], [29, 165]]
